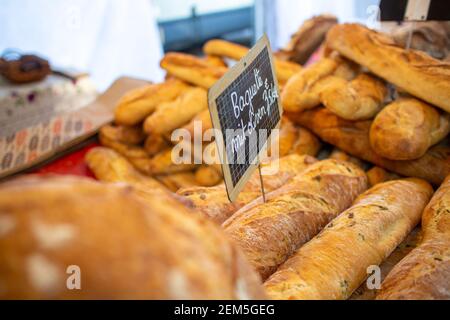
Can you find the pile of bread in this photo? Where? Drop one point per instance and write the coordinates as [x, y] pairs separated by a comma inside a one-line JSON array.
[[324, 225]]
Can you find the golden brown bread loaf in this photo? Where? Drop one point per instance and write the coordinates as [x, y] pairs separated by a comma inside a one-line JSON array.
[[302, 90], [155, 143], [353, 138], [413, 71], [202, 120], [360, 99], [308, 38], [288, 135], [124, 247], [124, 134], [424, 273], [215, 61], [192, 69], [137, 104], [306, 143], [213, 201], [208, 176], [378, 175], [334, 263], [407, 128], [338, 154], [234, 51], [269, 233], [172, 115]]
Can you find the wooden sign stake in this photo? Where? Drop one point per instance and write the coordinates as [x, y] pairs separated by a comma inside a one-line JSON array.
[[262, 183]]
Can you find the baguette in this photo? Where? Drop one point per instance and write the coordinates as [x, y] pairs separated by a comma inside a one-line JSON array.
[[137, 104], [123, 134], [378, 175], [213, 201], [215, 61], [359, 99], [222, 48], [411, 70], [270, 232], [302, 90], [124, 246], [425, 272], [306, 143], [208, 176], [334, 263], [407, 128], [192, 69], [155, 143], [353, 138], [171, 115]]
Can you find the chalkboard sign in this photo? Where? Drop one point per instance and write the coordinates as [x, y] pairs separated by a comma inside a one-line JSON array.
[[244, 109]]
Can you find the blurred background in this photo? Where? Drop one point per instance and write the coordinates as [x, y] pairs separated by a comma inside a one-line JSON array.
[[110, 38]]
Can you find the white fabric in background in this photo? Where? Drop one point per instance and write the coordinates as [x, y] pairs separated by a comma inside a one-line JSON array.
[[290, 14], [107, 38]]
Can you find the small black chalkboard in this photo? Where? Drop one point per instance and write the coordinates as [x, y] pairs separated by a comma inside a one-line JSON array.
[[244, 109], [414, 10]]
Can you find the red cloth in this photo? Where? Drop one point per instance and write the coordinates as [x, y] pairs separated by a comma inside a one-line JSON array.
[[71, 164]]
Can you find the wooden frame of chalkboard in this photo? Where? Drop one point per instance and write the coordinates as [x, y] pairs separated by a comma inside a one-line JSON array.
[[261, 47]]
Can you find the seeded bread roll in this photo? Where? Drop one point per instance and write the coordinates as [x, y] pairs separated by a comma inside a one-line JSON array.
[[407, 128], [353, 138], [192, 69], [57, 230], [269, 233], [137, 104], [424, 274], [413, 71], [359, 99], [213, 201], [334, 263]]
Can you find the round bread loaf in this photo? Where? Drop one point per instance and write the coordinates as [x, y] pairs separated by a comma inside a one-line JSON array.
[[75, 238]]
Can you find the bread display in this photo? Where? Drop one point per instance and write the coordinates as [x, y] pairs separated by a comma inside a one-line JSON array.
[[269, 233], [105, 229], [213, 202], [360, 99], [353, 138], [424, 274], [380, 55], [334, 263], [172, 115], [137, 104], [407, 128], [191, 69]]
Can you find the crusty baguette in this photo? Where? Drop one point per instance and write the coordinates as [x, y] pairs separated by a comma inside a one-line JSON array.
[[234, 51], [308, 38], [353, 138], [306, 143], [411, 70], [124, 134], [424, 273], [378, 175], [57, 226], [215, 61], [176, 181], [213, 202], [171, 115], [192, 69], [338, 154], [302, 90], [137, 104], [407, 128], [208, 176], [270, 232], [155, 143], [360, 99], [334, 263]]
